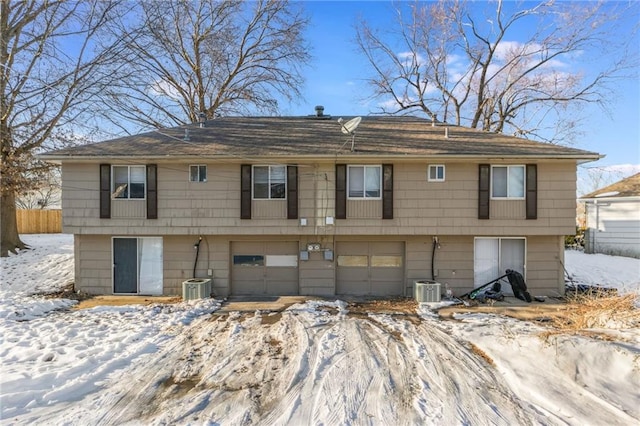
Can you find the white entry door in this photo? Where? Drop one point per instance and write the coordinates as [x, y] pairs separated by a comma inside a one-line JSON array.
[[493, 256]]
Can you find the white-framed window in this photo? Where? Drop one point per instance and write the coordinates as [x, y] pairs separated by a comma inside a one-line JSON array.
[[507, 182], [436, 173], [364, 182], [269, 182], [128, 182], [197, 173]]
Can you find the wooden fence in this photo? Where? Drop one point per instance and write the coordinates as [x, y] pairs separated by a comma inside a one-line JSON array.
[[39, 221]]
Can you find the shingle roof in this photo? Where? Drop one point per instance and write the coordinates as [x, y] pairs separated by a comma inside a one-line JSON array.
[[309, 136], [629, 187]]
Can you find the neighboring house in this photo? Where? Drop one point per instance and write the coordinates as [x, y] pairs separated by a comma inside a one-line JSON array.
[[613, 219], [283, 205]]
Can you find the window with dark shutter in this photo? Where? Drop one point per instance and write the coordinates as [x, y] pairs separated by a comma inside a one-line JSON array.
[[532, 191], [387, 191], [105, 191], [341, 191], [483, 191], [245, 191], [152, 191], [292, 192]]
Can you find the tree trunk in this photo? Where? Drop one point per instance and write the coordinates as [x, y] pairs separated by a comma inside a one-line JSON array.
[[9, 224]]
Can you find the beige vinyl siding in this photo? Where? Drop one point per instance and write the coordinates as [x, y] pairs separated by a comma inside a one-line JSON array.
[[545, 257], [453, 262], [179, 256], [508, 209], [317, 275], [269, 209], [420, 207], [128, 208], [93, 264], [361, 209]]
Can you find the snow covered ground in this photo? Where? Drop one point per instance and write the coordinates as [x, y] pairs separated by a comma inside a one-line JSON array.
[[314, 363]]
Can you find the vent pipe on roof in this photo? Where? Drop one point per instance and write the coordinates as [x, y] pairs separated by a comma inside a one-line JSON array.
[[319, 110], [202, 117], [446, 133], [186, 135]]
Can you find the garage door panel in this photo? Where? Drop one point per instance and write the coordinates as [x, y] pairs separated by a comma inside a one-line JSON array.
[[370, 268], [248, 274], [386, 274], [281, 247], [357, 288], [264, 268], [284, 288], [385, 288], [386, 248]]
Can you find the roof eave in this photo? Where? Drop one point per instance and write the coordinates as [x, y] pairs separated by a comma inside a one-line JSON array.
[[615, 198], [345, 157]]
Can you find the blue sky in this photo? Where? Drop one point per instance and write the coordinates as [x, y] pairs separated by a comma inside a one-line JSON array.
[[335, 80]]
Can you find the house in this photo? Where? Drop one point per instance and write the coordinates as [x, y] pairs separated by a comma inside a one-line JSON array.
[[613, 219], [294, 205]]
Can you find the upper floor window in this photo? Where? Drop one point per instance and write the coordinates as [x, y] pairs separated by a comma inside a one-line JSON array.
[[364, 181], [507, 182], [198, 173], [436, 173], [128, 182], [269, 182]]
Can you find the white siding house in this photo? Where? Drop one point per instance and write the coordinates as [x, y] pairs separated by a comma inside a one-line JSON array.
[[613, 219]]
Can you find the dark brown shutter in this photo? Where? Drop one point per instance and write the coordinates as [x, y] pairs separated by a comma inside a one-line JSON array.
[[387, 191], [341, 191], [105, 191], [152, 191], [532, 191], [292, 192], [245, 191], [483, 191]]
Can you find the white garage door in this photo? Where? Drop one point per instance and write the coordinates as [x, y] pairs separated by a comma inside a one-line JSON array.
[[368, 268], [264, 268]]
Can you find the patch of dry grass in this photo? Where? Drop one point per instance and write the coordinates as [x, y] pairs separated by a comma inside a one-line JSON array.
[[589, 311], [482, 354]]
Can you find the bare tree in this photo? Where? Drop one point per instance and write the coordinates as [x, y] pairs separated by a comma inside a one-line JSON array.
[[43, 194], [207, 56], [468, 64], [51, 57]]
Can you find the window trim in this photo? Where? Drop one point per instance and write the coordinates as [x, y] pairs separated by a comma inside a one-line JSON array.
[[436, 179], [364, 192], [508, 167], [206, 172], [253, 182], [113, 181]]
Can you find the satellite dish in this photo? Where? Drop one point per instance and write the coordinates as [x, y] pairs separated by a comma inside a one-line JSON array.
[[350, 126]]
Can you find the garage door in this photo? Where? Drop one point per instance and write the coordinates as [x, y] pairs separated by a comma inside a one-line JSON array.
[[264, 268], [370, 268]]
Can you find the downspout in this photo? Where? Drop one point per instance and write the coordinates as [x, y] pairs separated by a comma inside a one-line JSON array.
[[436, 245], [197, 247]]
